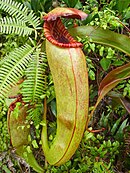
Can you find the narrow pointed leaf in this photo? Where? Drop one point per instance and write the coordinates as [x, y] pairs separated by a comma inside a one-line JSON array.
[[30, 159], [118, 98], [126, 104], [120, 133], [114, 77], [115, 126], [111, 80]]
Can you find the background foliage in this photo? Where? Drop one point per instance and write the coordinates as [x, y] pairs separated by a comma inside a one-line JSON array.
[[108, 150]]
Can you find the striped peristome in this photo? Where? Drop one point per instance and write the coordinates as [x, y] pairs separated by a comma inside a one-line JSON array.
[[55, 31]]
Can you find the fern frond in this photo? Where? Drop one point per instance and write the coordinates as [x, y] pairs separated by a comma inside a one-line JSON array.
[[10, 25], [35, 84], [35, 113], [12, 69], [19, 11]]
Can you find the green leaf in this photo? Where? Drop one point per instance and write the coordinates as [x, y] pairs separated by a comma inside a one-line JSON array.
[[34, 86], [5, 168], [13, 67], [120, 132], [127, 15], [34, 143], [41, 5], [18, 10], [105, 63], [30, 159], [109, 38], [36, 5], [9, 25], [53, 107], [115, 126], [105, 37], [122, 4], [71, 3]]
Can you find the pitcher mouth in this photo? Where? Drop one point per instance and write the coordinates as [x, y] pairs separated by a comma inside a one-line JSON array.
[[55, 31]]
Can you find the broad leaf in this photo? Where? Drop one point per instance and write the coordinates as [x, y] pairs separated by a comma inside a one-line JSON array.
[[122, 4], [109, 38], [105, 37], [105, 63]]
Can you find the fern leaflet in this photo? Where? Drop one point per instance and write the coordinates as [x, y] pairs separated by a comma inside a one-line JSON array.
[[18, 10], [10, 25], [35, 84], [35, 113], [12, 69]]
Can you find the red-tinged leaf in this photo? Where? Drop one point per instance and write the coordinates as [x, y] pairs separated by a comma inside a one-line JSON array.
[[66, 13], [126, 104], [114, 77], [118, 98], [110, 81]]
